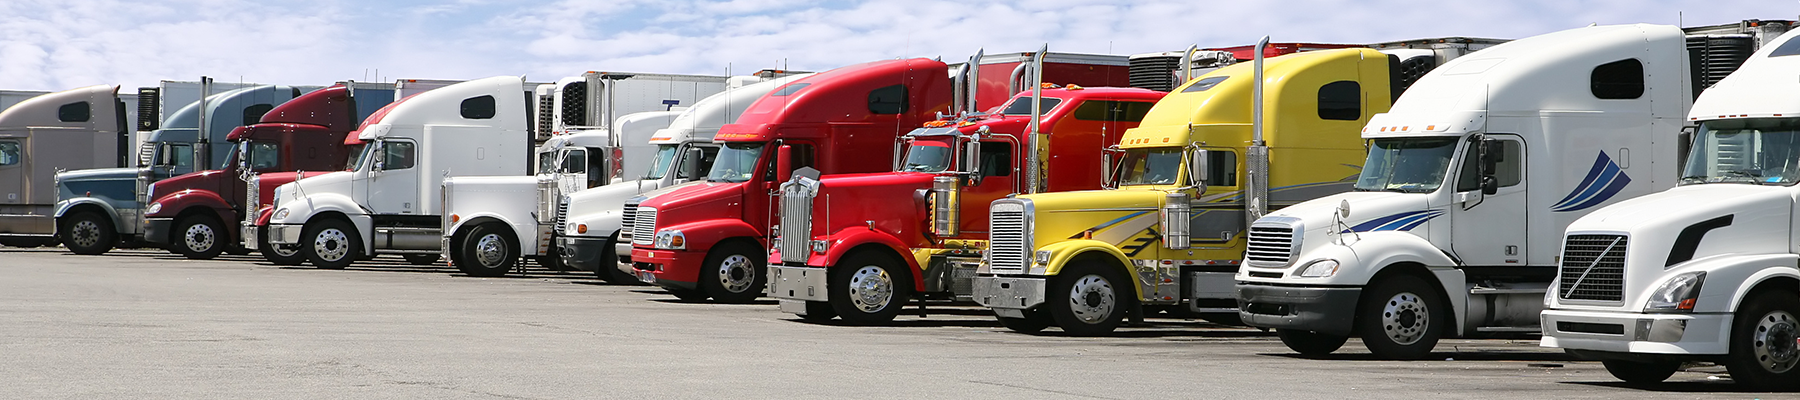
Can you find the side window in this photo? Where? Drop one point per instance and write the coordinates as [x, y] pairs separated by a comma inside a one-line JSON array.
[[888, 100], [481, 107], [74, 112], [264, 156], [176, 155], [1509, 171], [575, 162], [1112, 111], [254, 113], [10, 153], [707, 155], [1618, 80], [1221, 168], [996, 159], [802, 157], [1341, 100], [397, 155]]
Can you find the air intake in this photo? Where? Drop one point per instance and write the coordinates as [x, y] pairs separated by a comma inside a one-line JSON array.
[[148, 102]]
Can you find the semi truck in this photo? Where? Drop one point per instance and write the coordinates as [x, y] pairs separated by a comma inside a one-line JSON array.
[[491, 222], [97, 209], [388, 200], [73, 129], [1452, 226], [839, 254], [190, 213], [1707, 271], [1171, 224], [587, 221]]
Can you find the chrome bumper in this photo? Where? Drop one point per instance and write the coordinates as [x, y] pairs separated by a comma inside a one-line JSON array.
[[1636, 332], [798, 283], [247, 235], [284, 234], [1009, 296], [1212, 286]]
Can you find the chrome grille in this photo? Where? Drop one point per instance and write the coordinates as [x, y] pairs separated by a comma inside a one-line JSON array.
[[1009, 237], [1593, 268], [562, 216], [796, 219], [643, 226], [625, 220], [1273, 242], [252, 199]]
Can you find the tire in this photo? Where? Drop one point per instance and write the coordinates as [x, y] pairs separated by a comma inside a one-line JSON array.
[[819, 311], [87, 233], [198, 237], [1311, 343], [1763, 350], [734, 273], [420, 259], [869, 288], [609, 271], [1642, 373], [290, 255], [1087, 299], [1034, 322], [331, 244], [489, 250], [1401, 317]]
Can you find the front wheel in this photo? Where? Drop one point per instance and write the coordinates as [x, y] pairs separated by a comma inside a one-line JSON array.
[[1641, 373], [608, 269], [278, 255], [1311, 343], [734, 273], [869, 288], [819, 311], [1088, 300], [202, 237], [331, 244], [1763, 348], [1401, 318], [88, 233], [489, 250]]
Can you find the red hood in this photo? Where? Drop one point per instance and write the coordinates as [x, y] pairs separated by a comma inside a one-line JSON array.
[[208, 180], [700, 194], [842, 202]]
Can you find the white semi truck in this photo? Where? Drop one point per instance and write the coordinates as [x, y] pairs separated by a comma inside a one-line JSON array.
[[388, 202], [1470, 179], [588, 221], [1709, 270]]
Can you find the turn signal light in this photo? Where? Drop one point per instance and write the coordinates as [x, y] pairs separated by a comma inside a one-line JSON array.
[[454, 218], [580, 228]]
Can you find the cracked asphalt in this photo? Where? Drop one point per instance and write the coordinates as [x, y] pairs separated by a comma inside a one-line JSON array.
[[147, 324]]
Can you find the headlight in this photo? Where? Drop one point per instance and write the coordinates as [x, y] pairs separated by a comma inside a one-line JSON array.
[[1319, 268], [1677, 294], [280, 214], [671, 240], [1041, 257], [154, 208], [819, 246]]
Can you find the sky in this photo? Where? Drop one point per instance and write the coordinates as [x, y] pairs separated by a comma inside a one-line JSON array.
[[63, 44]]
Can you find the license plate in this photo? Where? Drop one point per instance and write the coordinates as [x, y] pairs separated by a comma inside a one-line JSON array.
[[647, 276]]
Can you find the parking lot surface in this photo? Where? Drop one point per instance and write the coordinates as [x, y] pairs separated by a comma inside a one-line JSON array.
[[147, 324]]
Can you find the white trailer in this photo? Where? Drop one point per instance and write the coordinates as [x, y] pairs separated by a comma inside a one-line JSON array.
[[1708, 271]]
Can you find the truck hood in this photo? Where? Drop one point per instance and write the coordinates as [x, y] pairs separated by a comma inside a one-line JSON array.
[[1369, 211], [612, 197], [1124, 218], [692, 203], [1682, 206], [208, 180], [97, 174], [334, 182], [843, 201]]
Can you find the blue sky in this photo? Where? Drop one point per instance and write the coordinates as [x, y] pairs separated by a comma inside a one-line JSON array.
[[60, 44]]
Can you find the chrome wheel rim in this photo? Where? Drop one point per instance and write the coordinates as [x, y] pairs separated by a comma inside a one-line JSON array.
[[284, 251], [1091, 299], [490, 250], [871, 289], [1405, 318], [331, 244], [736, 273], [86, 233], [199, 237], [1774, 342]]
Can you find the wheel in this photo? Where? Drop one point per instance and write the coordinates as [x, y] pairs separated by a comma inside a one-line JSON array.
[[26, 242], [489, 250], [1086, 299], [1035, 321], [88, 233], [420, 259], [733, 273], [688, 295], [819, 311], [869, 288], [202, 237], [1311, 343], [331, 244], [1763, 348], [1641, 373], [609, 270], [1401, 318], [278, 255]]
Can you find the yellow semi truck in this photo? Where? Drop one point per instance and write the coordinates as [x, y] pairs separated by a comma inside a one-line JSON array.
[[1160, 237]]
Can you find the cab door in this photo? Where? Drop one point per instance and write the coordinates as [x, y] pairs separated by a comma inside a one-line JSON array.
[[13, 180], [995, 182], [394, 179], [1489, 230]]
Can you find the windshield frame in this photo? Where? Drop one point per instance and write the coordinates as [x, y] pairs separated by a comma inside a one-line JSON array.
[[946, 159], [1421, 146], [1128, 175], [361, 158], [1760, 129]]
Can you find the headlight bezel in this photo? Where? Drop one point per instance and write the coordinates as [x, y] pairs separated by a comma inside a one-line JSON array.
[[1677, 295], [280, 213], [155, 207], [1312, 269], [670, 240]]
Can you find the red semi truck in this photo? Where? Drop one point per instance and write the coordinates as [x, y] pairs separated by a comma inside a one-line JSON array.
[[196, 214], [881, 253]]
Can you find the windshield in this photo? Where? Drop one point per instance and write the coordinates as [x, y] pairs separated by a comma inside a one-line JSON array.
[[546, 161], [1154, 166], [358, 153], [1410, 165], [664, 159], [1022, 106], [736, 163], [928, 155], [1758, 151]]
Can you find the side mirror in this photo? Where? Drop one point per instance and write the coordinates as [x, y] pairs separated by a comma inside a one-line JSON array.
[[379, 155], [1197, 169], [1685, 144], [243, 158], [972, 158], [1492, 153], [690, 164], [784, 163], [1107, 168]]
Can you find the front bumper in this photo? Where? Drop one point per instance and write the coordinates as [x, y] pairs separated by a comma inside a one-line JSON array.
[[248, 235], [1327, 310], [584, 253], [1683, 334], [1009, 296], [156, 230], [667, 268], [798, 283], [284, 234]]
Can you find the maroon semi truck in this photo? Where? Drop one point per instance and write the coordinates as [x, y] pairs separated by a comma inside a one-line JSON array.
[[196, 214]]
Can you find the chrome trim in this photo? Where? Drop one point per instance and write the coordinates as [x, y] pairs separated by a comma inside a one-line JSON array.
[[796, 218], [1010, 236], [643, 228], [1593, 268], [1274, 242]]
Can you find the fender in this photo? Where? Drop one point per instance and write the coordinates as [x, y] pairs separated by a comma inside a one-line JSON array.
[[1729, 278], [847, 239], [525, 232], [262, 216], [600, 224], [704, 234], [304, 210], [1374, 252], [1062, 252], [63, 207], [175, 204]]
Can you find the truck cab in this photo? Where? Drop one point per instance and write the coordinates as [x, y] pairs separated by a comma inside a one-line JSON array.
[[73, 129], [97, 208]]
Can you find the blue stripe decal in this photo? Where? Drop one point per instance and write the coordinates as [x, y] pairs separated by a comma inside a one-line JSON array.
[[1397, 222], [1604, 180]]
